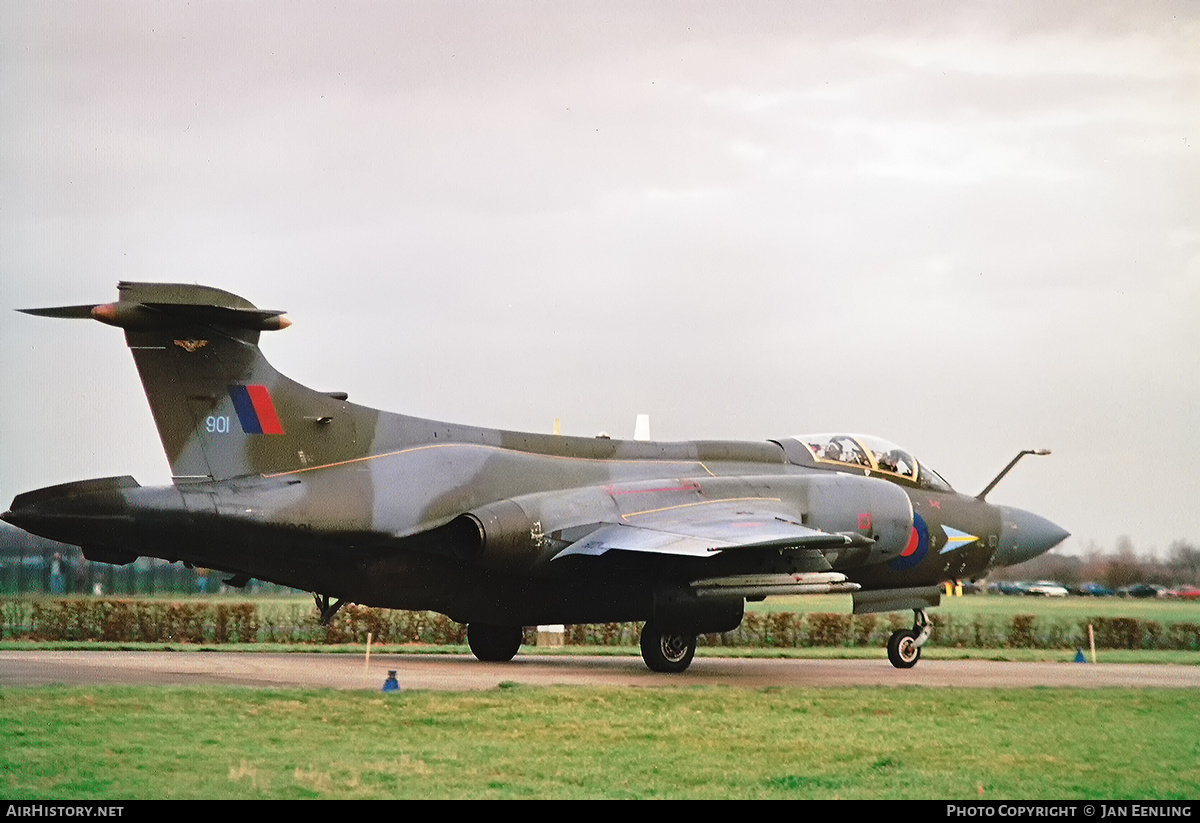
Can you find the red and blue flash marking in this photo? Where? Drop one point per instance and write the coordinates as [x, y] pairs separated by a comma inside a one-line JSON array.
[[255, 410]]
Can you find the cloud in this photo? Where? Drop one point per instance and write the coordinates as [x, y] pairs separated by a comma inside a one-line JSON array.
[[961, 227]]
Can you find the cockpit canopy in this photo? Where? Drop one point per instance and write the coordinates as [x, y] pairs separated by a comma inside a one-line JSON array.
[[872, 454]]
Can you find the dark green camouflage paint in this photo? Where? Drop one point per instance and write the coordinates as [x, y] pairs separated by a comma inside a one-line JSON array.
[[396, 511]]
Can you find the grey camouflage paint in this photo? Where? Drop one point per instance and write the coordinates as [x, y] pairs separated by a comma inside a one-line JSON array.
[[485, 525]]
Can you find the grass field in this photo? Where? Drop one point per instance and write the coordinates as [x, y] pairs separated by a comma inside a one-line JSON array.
[[1161, 609], [118, 743], [1150, 608], [524, 742]]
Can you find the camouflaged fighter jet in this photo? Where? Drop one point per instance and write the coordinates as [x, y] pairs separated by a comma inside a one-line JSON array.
[[498, 529]]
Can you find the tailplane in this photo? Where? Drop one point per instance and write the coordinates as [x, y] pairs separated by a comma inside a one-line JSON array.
[[221, 409]]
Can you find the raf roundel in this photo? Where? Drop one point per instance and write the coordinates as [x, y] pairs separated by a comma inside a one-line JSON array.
[[917, 548]]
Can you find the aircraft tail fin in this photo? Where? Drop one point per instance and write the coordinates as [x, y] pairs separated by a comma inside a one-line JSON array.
[[221, 409]]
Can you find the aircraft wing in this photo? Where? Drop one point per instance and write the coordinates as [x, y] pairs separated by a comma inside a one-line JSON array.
[[705, 529], [710, 528]]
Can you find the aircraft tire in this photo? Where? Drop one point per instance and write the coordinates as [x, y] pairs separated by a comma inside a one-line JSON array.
[[668, 653], [494, 644], [902, 651]]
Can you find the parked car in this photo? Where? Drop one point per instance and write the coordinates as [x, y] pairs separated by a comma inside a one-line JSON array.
[[1046, 588], [1094, 590], [1141, 590], [1185, 592], [1012, 587]]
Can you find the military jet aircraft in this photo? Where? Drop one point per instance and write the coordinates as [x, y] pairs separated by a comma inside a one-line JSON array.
[[498, 529]]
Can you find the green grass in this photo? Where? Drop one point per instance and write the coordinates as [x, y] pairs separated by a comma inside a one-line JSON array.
[[988, 605], [1006, 606], [122, 743]]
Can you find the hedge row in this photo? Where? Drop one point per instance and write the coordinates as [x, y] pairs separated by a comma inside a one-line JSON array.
[[200, 622], [133, 621]]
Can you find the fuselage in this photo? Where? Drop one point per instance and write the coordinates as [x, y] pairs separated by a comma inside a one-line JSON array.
[[385, 529], [281, 482]]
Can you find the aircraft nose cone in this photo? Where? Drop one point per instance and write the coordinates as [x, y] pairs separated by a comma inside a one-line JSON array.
[[1024, 535]]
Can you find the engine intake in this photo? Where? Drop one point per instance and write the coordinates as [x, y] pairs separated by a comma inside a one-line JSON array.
[[866, 506]]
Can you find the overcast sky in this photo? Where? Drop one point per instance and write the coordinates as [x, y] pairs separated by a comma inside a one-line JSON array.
[[968, 228]]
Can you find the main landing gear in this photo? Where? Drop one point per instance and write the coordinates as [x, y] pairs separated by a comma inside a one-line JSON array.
[[663, 651], [494, 644], [668, 652], [904, 646]]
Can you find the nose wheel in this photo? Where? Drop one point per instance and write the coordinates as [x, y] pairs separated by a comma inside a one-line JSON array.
[[904, 646]]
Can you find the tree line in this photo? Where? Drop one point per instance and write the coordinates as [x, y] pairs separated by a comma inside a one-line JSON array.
[[1122, 566]]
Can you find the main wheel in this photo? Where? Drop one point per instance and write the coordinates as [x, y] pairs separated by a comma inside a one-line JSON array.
[[903, 650], [494, 644], [664, 652]]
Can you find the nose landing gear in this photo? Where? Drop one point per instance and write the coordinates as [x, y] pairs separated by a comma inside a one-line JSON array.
[[904, 646]]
